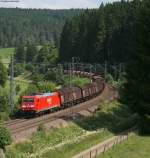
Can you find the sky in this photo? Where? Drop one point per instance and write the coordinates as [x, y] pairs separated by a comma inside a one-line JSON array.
[[55, 4]]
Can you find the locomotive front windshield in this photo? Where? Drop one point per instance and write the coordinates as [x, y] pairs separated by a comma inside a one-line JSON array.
[[28, 100]]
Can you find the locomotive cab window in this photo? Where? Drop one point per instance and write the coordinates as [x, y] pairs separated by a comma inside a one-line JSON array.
[[28, 99]]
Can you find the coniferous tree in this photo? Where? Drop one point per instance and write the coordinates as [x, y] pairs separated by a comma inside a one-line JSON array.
[[3, 74], [20, 26], [20, 54], [31, 52], [137, 88], [100, 34]]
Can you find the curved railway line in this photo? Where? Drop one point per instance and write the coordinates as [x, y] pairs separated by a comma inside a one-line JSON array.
[[24, 128]]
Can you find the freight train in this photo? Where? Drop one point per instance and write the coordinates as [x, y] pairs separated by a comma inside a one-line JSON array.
[[64, 97]]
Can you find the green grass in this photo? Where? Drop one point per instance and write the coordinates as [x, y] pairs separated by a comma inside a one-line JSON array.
[[80, 135], [74, 138], [112, 116], [72, 149], [5, 54], [42, 139], [135, 147]]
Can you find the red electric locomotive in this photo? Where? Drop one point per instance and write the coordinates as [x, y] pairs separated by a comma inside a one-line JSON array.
[[39, 103]]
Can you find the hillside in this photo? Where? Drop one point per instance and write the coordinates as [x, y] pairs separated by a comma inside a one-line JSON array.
[[19, 26], [100, 35], [135, 147]]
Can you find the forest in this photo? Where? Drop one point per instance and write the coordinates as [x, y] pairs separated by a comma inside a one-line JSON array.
[[100, 35], [22, 26]]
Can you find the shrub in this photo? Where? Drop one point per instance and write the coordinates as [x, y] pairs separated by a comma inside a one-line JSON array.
[[144, 123], [46, 86], [17, 89], [4, 116], [109, 78], [37, 77], [29, 67], [41, 128], [5, 138], [19, 69]]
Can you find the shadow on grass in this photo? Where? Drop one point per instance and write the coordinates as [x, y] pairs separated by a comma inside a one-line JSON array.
[[116, 120]]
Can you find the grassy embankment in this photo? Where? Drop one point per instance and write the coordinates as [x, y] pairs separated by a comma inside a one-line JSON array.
[[79, 135], [135, 147]]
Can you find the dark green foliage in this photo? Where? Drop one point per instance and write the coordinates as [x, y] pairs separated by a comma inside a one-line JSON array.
[[31, 52], [20, 54], [109, 78], [46, 86], [22, 26], [32, 88], [56, 75], [19, 69], [145, 125], [5, 138], [137, 88], [47, 54], [37, 60], [17, 89], [3, 74], [36, 77], [3, 103], [115, 119], [99, 34], [29, 67]]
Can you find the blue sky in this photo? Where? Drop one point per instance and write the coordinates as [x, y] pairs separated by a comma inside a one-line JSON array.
[[56, 4]]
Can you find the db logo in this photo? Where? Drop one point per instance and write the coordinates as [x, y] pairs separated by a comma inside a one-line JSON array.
[[49, 100]]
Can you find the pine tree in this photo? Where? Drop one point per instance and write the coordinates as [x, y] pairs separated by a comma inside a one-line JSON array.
[[137, 88], [31, 52], [20, 54], [3, 74]]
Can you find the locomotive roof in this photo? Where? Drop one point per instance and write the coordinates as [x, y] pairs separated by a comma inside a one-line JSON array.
[[40, 95]]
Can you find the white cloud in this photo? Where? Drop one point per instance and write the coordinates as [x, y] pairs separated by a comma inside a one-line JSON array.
[[55, 4]]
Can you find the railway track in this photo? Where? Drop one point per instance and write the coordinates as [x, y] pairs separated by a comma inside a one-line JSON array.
[[24, 128]]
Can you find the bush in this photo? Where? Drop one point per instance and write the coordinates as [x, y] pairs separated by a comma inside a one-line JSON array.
[[46, 86], [32, 88], [17, 89], [5, 138], [4, 103], [80, 81], [4, 116], [41, 128], [29, 67], [19, 69], [37, 77], [144, 125], [109, 78]]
